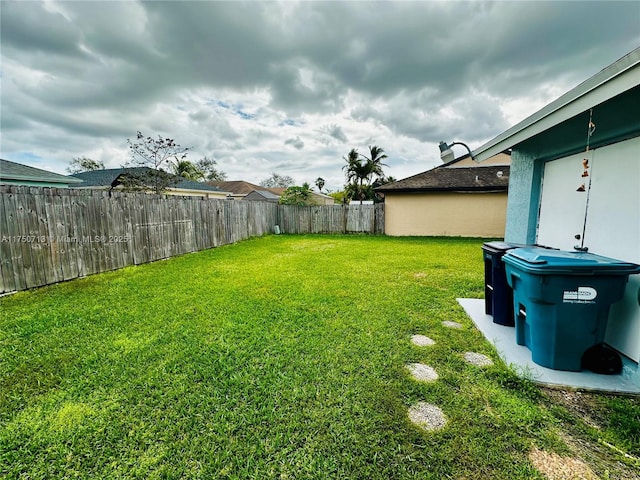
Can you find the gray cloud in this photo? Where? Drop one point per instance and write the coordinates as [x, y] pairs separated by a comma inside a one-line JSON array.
[[237, 80], [336, 132], [295, 143], [22, 29]]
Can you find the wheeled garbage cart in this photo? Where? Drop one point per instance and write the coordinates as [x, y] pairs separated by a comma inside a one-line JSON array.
[[561, 301], [498, 296]]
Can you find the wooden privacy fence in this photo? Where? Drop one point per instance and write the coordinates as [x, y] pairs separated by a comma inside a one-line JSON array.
[[49, 235], [332, 219]]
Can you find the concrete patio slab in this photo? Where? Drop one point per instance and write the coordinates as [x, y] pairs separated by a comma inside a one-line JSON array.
[[519, 358]]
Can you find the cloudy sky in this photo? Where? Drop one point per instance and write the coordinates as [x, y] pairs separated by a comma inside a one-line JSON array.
[[290, 87]]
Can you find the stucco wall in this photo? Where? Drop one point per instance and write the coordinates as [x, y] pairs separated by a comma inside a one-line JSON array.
[[525, 179], [196, 193], [445, 214], [322, 199], [497, 160]]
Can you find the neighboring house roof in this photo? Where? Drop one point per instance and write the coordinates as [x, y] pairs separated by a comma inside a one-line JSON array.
[[237, 187], [263, 195], [240, 188], [461, 174], [14, 173], [322, 195], [107, 177], [277, 190], [459, 179], [621, 77]]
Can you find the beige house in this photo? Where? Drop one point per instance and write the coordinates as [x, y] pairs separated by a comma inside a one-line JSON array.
[[321, 199], [461, 198]]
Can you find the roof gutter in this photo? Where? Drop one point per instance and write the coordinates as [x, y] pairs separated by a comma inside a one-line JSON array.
[[58, 179], [604, 85], [485, 189]]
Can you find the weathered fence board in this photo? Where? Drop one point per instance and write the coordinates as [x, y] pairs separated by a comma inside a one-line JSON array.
[[49, 235], [332, 219], [7, 278]]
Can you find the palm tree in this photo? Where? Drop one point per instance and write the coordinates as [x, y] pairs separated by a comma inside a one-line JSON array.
[[186, 169], [356, 174], [359, 172], [320, 183], [374, 162]]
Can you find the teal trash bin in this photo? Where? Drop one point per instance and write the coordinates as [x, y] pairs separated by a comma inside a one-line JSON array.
[[561, 301]]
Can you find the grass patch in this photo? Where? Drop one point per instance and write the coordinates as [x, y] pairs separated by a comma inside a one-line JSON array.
[[280, 357]]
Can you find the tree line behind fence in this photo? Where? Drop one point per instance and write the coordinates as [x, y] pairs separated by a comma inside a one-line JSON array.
[[49, 235]]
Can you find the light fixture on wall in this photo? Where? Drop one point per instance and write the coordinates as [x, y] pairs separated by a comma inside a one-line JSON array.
[[447, 155]]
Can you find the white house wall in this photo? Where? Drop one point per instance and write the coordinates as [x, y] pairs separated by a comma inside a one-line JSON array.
[[612, 225]]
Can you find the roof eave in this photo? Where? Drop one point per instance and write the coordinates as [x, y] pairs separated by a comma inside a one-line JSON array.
[[60, 179], [445, 189], [606, 84]]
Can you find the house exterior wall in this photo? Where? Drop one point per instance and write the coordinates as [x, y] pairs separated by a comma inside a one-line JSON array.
[[445, 214], [541, 209], [181, 192], [524, 215], [322, 199], [196, 193], [525, 181], [606, 216], [497, 160]]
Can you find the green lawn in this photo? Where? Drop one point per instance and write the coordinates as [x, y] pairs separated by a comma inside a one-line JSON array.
[[279, 357]]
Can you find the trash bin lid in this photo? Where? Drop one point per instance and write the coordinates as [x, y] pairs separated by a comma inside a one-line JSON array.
[[499, 247], [548, 262]]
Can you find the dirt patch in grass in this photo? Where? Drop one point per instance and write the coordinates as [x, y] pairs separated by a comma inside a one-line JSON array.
[[602, 460], [580, 430], [581, 404], [555, 467]]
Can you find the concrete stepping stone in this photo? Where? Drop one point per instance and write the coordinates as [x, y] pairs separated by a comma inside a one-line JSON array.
[[449, 324], [422, 341], [427, 416], [477, 359], [422, 373]]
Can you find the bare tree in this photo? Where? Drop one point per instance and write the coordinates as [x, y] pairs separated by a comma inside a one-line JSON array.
[[84, 164], [153, 156], [277, 180], [208, 167]]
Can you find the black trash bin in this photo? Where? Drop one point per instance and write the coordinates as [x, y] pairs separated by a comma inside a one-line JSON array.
[[498, 295]]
